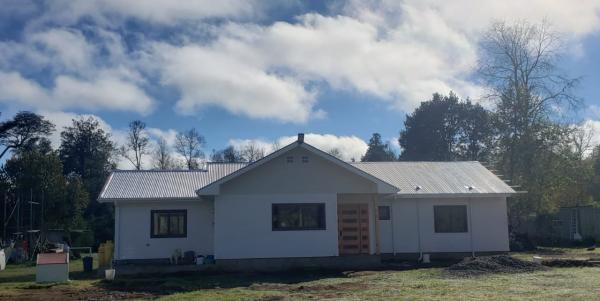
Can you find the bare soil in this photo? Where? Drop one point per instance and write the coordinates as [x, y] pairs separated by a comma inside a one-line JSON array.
[[67, 293], [492, 264], [322, 291]]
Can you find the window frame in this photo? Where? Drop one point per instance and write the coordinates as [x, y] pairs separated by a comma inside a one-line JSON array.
[[169, 212], [389, 212], [436, 225], [322, 217]]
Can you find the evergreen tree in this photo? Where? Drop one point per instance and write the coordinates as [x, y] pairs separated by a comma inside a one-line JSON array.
[[378, 150]]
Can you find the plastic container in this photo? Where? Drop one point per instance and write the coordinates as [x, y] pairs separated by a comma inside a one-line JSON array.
[[88, 263], [109, 274]]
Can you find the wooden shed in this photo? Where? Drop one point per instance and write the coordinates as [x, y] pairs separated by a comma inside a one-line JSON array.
[[52, 267]]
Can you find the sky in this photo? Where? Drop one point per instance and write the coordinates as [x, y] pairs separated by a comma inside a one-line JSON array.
[[242, 71]]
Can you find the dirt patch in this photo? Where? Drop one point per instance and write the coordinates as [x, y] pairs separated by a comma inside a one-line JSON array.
[[568, 263], [67, 293], [321, 290], [492, 264]]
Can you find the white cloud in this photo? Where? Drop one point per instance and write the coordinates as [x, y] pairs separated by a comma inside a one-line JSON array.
[[350, 147], [66, 47], [103, 93], [164, 12], [64, 119], [214, 77]]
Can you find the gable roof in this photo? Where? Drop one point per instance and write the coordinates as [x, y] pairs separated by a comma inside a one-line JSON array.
[[162, 184], [382, 185], [438, 178]]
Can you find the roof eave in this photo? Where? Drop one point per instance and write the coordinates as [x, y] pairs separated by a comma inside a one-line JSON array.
[[451, 195]]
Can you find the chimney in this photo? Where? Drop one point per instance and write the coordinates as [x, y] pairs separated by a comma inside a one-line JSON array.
[[300, 137]]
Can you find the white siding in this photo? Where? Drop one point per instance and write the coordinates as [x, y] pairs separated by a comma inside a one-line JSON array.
[[244, 228], [133, 230], [489, 226]]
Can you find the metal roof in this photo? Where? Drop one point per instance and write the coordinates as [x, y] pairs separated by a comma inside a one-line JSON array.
[[412, 178], [163, 184], [438, 178]]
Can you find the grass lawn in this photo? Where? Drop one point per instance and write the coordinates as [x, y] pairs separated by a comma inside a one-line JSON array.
[[16, 283]]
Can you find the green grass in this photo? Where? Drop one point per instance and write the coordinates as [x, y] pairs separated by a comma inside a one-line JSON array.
[[19, 276], [417, 284]]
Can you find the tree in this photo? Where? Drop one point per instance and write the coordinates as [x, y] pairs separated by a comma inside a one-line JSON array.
[[446, 129], [595, 184], [252, 152], [378, 151], [162, 156], [519, 65], [228, 155], [335, 152], [23, 130], [87, 152], [189, 144], [37, 174], [137, 144]]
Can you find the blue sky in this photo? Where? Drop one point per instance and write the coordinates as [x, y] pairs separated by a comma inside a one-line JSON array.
[[261, 71]]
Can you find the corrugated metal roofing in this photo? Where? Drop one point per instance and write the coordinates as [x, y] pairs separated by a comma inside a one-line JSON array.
[[158, 184], [431, 177], [437, 177]]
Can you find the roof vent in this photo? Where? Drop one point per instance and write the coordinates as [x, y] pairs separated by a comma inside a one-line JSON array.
[[469, 187], [418, 187], [300, 137]]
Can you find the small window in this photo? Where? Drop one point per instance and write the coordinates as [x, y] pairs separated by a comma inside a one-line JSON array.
[[305, 216], [450, 219], [168, 223], [384, 213], [304, 159], [289, 159]]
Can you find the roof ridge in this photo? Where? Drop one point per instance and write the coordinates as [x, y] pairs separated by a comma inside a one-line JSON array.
[[157, 170], [396, 162]]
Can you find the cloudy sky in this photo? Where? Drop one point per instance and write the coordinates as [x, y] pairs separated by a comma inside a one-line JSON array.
[[244, 70]]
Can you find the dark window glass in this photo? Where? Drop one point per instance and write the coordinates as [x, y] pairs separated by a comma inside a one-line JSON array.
[[168, 223], [450, 219], [304, 159], [289, 159], [384, 213], [308, 216]]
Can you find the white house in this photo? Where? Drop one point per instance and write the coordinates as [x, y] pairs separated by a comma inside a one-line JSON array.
[[300, 204]]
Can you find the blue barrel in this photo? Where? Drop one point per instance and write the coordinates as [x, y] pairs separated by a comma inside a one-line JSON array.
[[88, 263]]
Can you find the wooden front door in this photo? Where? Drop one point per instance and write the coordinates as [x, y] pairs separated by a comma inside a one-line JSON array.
[[353, 226]]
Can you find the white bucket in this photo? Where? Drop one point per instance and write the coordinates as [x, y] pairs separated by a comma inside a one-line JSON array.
[[2, 260], [537, 259], [109, 274], [426, 258]]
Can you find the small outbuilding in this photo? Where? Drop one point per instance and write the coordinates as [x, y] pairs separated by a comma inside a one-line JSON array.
[[52, 267]]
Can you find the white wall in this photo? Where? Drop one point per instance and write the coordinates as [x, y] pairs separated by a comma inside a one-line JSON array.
[[243, 228], [489, 226], [132, 231], [279, 177]]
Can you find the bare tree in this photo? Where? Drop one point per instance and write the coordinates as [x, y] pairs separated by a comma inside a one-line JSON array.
[[252, 152], [519, 63], [581, 140], [162, 156], [335, 152], [189, 144], [137, 144]]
